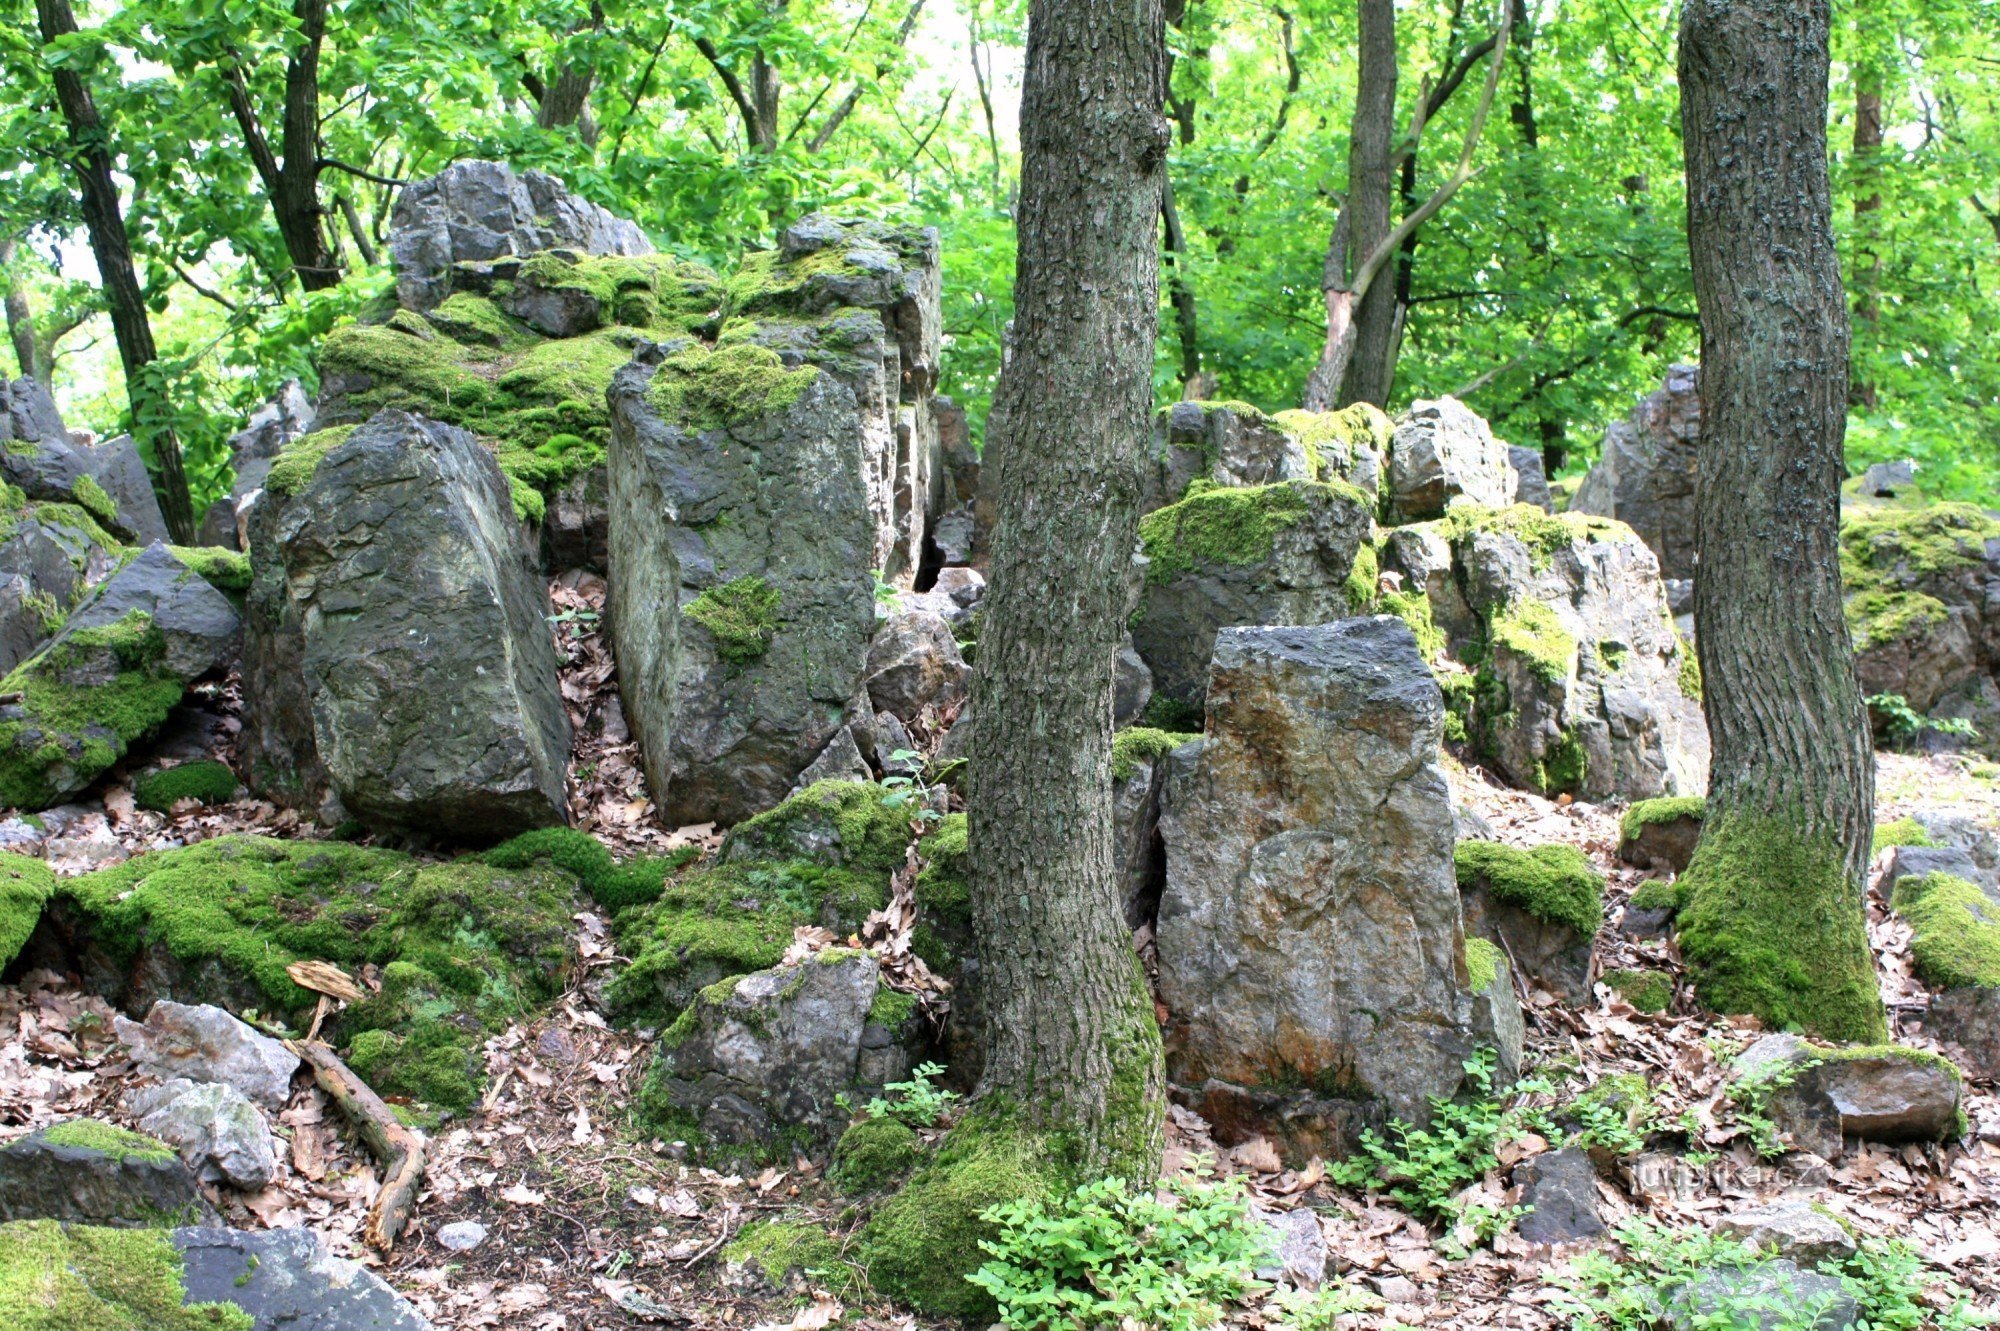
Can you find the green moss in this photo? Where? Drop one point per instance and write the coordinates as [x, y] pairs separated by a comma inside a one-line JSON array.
[[1533, 632], [228, 571], [704, 389], [777, 1250], [1172, 715], [1137, 744], [1553, 882], [209, 781], [107, 1139], [1563, 767], [873, 1152], [765, 283], [1647, 813], [1483, 962], [1648, 991], [611, 885], [1414, 609], [464, 948], [293, 468], [1544, 534], [943, 932], [1901, 832], [742, 617], [55, 1277], [651, 291], [728, 920], [1955, 928], [1231, 524], [841, 824], [921, 1243], [476, 321], [1773, 926], [25, 884], [85, 700], [1689, 675], [1660, 895], [1332, 439], [1364, 580], [95, 499], [1888, 555]]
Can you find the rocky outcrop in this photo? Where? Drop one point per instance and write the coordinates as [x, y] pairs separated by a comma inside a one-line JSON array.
[[269, 431], [481, 214], [1571, 677], [754, 485], [1644, 474], [110, 677], [397, 654], [1310, 952], [1442, 451], [1227, 557], [50, 554], [1819, 1097], [89, 1172], [39, 457], [1235, 444]]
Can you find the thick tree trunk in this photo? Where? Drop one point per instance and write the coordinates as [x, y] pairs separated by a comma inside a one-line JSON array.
[[105, 220], [1362, 226], [565, 101], [1775, 925], [1070, 1036]]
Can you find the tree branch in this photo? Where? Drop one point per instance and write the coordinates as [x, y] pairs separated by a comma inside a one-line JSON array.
[[339, 165], [848, 103], [733, 84]]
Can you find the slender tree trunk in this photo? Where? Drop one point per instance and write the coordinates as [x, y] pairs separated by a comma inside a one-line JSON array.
[[1363, 223], [105, 220], [20, 319], [1867, 207], [293, 183], [565, 100], [356, 230], [1070, 1036], [1775, 925], [1180, 292]]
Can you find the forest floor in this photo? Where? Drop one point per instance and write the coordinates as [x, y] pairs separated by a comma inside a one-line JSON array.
[[591, 1224]]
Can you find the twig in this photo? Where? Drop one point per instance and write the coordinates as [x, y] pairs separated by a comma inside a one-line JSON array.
[[720, 1239], [399, 1149]]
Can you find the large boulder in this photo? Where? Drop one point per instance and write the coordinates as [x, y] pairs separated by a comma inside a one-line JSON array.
[[1923, 604], [1645, 471], [1576, 680], [50, 554], [41, 458], [1955, 947], [1820, 1097], [1310, 952], [755, 484], [286, 1280], [1225, 557], [397, 649], [1235, 444], [110, 678], [1443, 451], [476, 213], [91, 1172]]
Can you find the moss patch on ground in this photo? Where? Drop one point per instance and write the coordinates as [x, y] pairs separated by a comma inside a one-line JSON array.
[[1900, 832], [779, 1250], [1648, 991], [1138, 744], [206, 780], [84, 701], [614, 886], [1555, 882], [26, 883], [1773, 926], [841, 824], [464, 947], [1230, 524], [1955, 930], [83, 1278], [742, 617], [1647, 813], [874, 1152], [107, 1139]]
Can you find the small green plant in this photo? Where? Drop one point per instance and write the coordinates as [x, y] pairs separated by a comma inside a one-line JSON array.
[[916, 1102], [1751, 1098], [1903, 725], [1614, 1116], [900, 791], [1320, 1309], [1108, 1255], [886, 594]]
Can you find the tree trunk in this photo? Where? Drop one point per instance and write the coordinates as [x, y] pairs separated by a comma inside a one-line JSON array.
[[1070, 1037], [1867, 206], [1363, 223], [103, 216], [1775, 924], [1180, 290], [565, 101], [293, 184], [20, 319]]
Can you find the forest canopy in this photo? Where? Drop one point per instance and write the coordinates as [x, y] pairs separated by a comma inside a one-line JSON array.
[[258, 146]]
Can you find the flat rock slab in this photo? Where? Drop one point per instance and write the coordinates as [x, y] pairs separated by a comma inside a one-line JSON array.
[[287, 1281], [122, 1180], [205, 1044]]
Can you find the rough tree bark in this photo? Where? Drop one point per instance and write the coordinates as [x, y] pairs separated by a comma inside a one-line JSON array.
[[1775, 923], [1071, 1037], [103, 216]]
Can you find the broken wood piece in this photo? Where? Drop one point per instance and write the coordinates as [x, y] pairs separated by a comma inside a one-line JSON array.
[[399, 1149]]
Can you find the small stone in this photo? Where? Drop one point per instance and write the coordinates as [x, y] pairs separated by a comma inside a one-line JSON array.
[[1803, 1233], [461, 1235], [1298, 1247], [914, 663], [1561, 1190], [206, 1044], [219, 1133]]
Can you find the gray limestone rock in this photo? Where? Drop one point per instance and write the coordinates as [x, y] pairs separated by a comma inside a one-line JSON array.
[[203, 1043], [1560, 1190], [286, 1280], [1645, 471], [1532, 486], [220, 1135], [1796, 1230], [1443, 451], [1820, 1097], [914, 663], [88, 1172]]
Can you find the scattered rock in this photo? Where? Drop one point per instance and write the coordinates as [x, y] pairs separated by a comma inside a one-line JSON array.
[[1798, 1231], [286, 1280], [914, 663], [1442, 451], [397, 646], [1969, 1018], [89, 1172], [1920, 861], [108, 480], [1560, 1190], [461, 1235], [1308, 935], [1660, 834], [1770, 1296], [206, 1044], [1819, 1097], [840, 760], [1888, 480], [1542, 907], [1645, 471], [1298, 1247], [220, 1135], [1532, 485], [1497, 1023]]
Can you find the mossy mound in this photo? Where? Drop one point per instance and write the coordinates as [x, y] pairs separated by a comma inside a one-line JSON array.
[[1900, 832], [1220, 525], [943, 932], [1138, 744], [706, 388], [780, 1251], [26, 883], [1955, 930], [463, 947], [1889, 556], [82, 1278], [1555, 883], [613, 886], [718, 923], [1772, 926], [106, 1139], [742, 617], [1648, 813], [1648, 991], [85, 700], [207, 781], [228, 571], [841, 824], [874, 1152]]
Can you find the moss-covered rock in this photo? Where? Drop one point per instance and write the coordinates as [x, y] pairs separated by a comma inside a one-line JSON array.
[[873, 1152], [464, 947], [1136, 744], [1648, 991], [81, 1278], [1900, 832], [1661, 832], [1955, 928], [614, 886], [779, 1252], [840, 824], [741, 615], [228, 571], [26, 883], [1773, 926], [1542, 905], [206, 780]]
